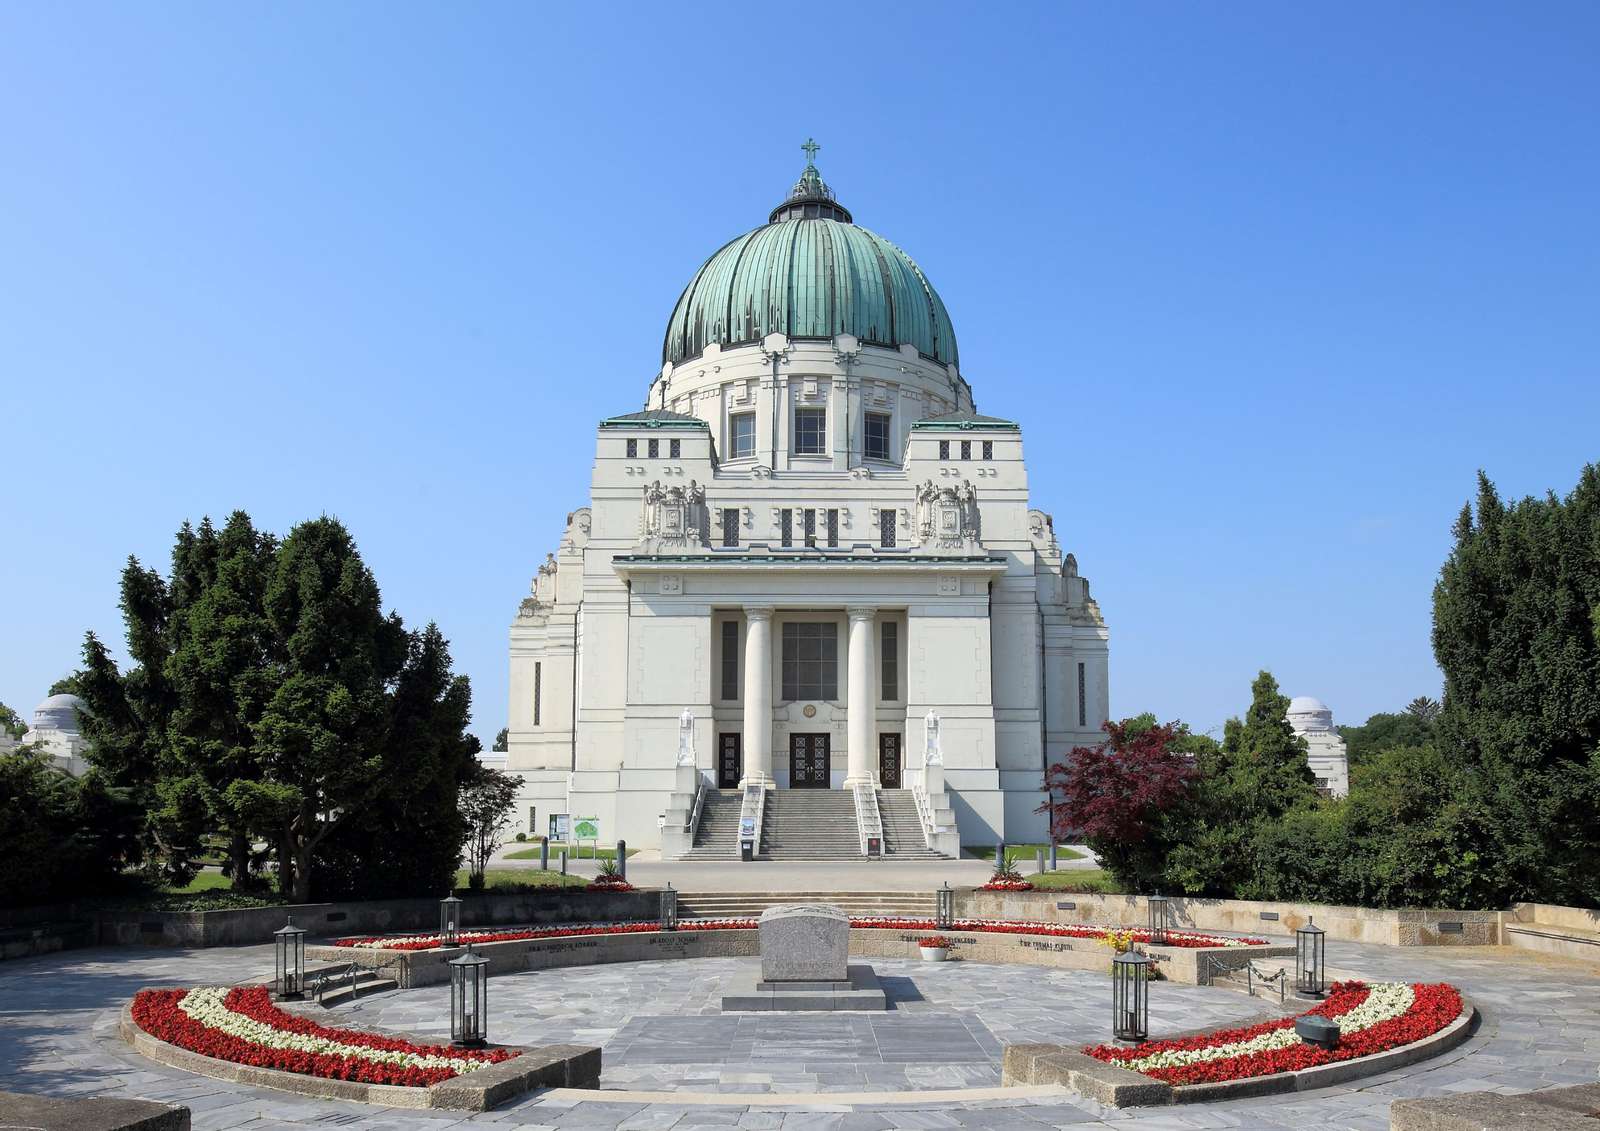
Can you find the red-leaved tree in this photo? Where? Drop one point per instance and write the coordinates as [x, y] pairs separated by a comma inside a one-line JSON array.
[[1115, 797]]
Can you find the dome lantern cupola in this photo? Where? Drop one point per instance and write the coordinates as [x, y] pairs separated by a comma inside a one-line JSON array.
[[811, 198], [810, 273]]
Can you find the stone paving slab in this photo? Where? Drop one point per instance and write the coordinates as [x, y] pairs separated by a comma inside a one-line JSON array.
[[58, 1014]]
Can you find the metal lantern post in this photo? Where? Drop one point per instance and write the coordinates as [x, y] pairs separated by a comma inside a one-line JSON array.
[[945, 907], [1309, 974], [449, 919], [1158, 919], [669, 909], [1130, 996], [469, 999], [289, 946]]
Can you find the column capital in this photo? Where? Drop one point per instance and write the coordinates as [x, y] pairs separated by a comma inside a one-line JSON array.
[[758, 612], [862, 612]]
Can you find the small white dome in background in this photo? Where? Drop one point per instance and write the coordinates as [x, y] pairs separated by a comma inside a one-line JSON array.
[[59, 712], [1307, 714]]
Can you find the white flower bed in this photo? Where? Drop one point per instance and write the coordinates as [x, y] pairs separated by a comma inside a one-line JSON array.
[[207, 1005], [1384, 1002]]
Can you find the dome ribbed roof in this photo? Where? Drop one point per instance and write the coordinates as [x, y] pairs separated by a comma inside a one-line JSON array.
[[810, 273]]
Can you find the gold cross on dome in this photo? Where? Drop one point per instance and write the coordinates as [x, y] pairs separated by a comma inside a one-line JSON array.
[[811, 148]]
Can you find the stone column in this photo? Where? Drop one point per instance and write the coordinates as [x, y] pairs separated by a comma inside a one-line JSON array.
[[758, 695], [861, 733]]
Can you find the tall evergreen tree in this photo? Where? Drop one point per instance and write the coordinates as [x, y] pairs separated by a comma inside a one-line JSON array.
[[1516, 630], [321, 734], [223, 667]]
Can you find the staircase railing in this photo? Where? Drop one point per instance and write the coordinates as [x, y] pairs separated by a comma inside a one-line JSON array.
[[697, 809], [869, 822], [752, 809], [919, 794]]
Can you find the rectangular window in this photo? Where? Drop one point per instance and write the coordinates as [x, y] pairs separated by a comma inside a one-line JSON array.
[[944, 449], [538, 678], [533, 820], [654, 449], [633, 449], [1083, 704], [988, 449], [808, 518], [877, 435], [891, 661], [966, 449], [833, 526], [675, 448], [730, 659], [810, 661], [810, 431], [886, 528], [730, 526], [742, 434], [786, 526]]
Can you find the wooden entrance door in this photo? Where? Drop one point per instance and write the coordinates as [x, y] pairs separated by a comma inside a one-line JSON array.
[[730, 761], [808, 761], [889, 761]]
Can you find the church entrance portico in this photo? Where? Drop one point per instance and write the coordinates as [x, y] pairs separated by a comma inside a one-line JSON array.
[[808, 761], [730, 761], [888, 761]]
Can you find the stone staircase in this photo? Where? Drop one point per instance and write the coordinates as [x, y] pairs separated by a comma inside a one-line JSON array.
[[750, 905], [902, 826], [717, 837], [810, 824]]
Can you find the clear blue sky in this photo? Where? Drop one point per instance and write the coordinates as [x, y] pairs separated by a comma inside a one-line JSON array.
[[1266, 284]]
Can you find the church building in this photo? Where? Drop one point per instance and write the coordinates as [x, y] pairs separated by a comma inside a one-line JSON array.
[[809, 602]]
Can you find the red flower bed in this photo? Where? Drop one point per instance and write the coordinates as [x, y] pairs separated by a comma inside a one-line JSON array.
[[603, 884], [1433, 1007], [1184, 939], [1007, 885], [157, 1012]]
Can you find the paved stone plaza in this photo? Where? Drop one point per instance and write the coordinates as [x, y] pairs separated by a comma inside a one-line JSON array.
[[58, 1014]]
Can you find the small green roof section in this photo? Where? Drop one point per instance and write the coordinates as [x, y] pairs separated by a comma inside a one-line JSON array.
[[810, 273], [964, 421], [654, 418]]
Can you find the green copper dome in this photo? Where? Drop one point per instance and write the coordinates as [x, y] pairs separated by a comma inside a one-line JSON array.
[[810, 272]]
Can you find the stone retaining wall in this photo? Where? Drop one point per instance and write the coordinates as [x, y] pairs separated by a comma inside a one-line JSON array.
[[1409, 927], [370, 917], [427, 967]]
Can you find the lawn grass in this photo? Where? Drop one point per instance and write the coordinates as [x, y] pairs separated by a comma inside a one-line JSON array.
[[531, 852], [1020, 852], [521, 877], [204, 881], [1089, 881]]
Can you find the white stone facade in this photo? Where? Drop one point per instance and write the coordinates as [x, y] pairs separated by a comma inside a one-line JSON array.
[[935, 551], [56, 733], [1312, 720]]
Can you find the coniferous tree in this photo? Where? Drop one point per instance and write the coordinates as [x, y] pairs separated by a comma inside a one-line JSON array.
[[1516, 630]]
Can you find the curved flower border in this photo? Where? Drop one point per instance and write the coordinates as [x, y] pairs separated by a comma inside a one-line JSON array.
[[1185, 939], [1372, 1019], [242, 1026]]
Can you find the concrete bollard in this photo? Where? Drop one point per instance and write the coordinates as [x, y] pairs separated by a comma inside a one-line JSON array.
[[1055, 860], [544, 854], [622, 858], [999, 855], [1040, 861]]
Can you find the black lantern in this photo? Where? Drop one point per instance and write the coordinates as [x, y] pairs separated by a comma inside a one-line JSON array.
[[1158, 919], [469, 999], [289, 946], [669, 909], [945, 907], [1130, 996], [449, 919], [1309, 975]]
